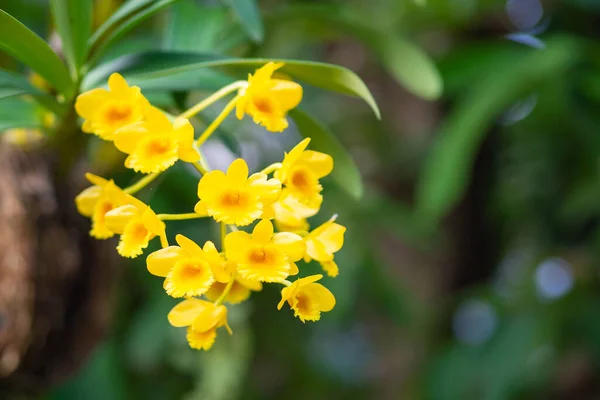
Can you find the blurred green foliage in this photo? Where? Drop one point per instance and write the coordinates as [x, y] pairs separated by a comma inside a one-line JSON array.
[[470, 266]]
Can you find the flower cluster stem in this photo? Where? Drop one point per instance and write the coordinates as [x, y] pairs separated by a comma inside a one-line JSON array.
[[226, 291], [200, 168], [142, 183], [271, 168], [179, 217], [213, 98], [215, 124]]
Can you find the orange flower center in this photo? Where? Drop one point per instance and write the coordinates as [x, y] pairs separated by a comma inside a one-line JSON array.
[[118, 113], [301, 180], [263, 105], [258, 255], [192, 270], [234, 199], [138, 232], [304, 304], [157, 147]]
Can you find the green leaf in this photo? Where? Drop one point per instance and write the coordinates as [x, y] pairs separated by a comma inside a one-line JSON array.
[[345, 172], [249, 15], [21, 43], [406, 62], [12, 84], [193, 27], [127, 17], [164, 64], [74, 23], [18, 113], [446, 171]]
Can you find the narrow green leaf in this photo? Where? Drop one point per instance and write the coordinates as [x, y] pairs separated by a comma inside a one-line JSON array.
[[193, 27], [127, 17], [345, 172], [21, 43], [74, 23], [403, 59], [12, 84], [446, 171], [408, 64], [249, 15], [18, 113], [163, 64]]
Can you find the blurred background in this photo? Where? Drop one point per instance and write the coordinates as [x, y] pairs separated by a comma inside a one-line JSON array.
[[470, 267]]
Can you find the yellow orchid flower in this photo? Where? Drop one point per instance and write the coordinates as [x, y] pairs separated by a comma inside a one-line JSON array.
[[301, 170], [321, 244], [233, 197], [240, 290], [137, 224], [155, 144], [105, 111], [202, 318], [96, 201], [307, 298], [188, 269], [264, 256], [268, 100], [290, 212]]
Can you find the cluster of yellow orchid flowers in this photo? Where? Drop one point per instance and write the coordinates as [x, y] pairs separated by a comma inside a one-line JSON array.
[[154, 142]]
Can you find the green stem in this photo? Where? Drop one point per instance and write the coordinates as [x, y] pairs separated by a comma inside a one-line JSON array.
[[215, 124], [200, 168], [223, 234], [213, 98], [179, 217], [226, 291], [271, 168], [139, 185]]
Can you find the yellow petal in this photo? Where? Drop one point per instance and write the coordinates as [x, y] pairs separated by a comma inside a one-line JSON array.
[[153, 153], [200, 209], [263, 231], [238, 171], [189, 277], [294, 269], [210, 182], [152, 222], [127, 138], [290, 159], [211, 317], [291, 244], [236, 244], [95, 179], [117, 219], [184, 313], [117, 84], [331, 268], [161, 261], [99, 228], [268, 190], [201, 340], [87, 102], [324, 296], [287, 93], [189, 246], [188, 154], [320, 164], [115, 194], [134, 239], [157, 120], [87, 199], [333, 237], [255, 286], [219, 266]]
